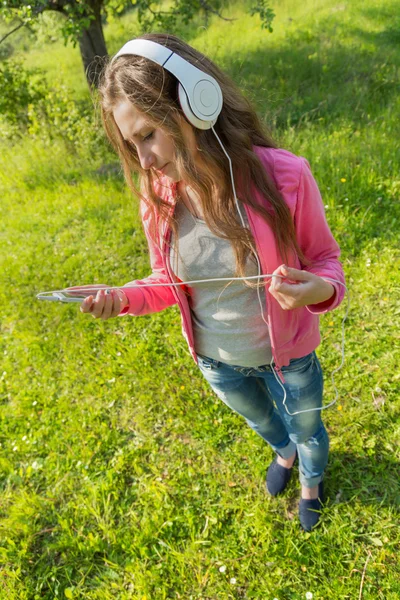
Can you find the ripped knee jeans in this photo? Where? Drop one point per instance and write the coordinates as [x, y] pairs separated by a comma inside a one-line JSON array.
[[255, 393]]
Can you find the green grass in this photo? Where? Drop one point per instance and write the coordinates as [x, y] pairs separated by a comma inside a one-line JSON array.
[[121, 475]]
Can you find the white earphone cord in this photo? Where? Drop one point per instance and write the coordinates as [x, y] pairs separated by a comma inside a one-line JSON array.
[[93, 289], [258, 277], [262, 310]]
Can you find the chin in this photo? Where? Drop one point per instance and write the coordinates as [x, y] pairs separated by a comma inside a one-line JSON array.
[[170, 173], [174, 176], [170, 178]]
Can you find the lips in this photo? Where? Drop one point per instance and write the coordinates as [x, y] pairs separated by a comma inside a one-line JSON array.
[[162, 170]]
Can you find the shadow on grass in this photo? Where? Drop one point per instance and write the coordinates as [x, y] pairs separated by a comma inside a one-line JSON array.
[[319, 76], [370, 479], [391, 34]]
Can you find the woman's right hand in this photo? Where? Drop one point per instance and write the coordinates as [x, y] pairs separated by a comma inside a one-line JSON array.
[[103, 306]]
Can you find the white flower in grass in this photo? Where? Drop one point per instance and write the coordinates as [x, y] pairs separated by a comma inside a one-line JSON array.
[[309, 595], [222, 569], [233, 580], [34, 403]]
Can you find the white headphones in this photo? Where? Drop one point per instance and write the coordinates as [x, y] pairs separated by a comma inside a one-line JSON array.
[[200, 95]]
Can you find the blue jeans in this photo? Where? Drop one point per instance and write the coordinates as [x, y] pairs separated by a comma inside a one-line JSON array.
[[255, 393]]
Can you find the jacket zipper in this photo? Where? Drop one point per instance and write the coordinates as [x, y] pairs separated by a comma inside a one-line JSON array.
[[280, 374], [168, 269], [276, 367]]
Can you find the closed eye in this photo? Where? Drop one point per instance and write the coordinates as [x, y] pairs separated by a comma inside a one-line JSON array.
[[148, 137]]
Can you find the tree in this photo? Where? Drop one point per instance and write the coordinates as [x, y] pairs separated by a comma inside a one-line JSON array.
[[83, 22]]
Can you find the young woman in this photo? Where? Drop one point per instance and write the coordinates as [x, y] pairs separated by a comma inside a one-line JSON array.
[[254, 340]]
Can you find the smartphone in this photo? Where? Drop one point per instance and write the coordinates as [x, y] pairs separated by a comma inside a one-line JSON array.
[[64, 296]]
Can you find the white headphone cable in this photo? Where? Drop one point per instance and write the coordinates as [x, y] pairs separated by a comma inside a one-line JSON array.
[[262, 310], [244, 226], [181, 283], [258, 277]]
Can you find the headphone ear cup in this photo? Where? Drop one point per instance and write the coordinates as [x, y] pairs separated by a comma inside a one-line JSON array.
[[187, 111]]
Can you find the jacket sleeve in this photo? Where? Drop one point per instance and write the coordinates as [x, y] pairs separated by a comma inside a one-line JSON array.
[[145, 300], [316, 240]]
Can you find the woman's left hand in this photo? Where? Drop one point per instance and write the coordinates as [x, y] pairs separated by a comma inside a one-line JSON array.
[[299, 288]]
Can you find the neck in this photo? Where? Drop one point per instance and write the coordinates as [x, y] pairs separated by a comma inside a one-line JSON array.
[[191, 200]]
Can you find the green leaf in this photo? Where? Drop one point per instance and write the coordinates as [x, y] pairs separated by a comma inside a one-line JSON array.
[[376, 541]]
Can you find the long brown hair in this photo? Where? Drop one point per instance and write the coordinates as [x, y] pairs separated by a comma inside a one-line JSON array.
[[153, 91]]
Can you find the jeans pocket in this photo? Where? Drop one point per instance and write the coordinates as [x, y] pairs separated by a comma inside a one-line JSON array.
[[300, 365], [207, 363]]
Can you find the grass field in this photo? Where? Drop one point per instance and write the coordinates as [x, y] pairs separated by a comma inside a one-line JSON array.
[[121, 475]]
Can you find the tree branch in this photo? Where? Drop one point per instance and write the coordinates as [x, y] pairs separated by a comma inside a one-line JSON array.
[[158, 12], [36, 11], [203, 3], [208, 8], [12, 31]]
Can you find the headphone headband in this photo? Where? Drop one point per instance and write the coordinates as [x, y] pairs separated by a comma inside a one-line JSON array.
[[199, 94]]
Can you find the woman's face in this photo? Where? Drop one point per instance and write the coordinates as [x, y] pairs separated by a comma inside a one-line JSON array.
[[154, 148]]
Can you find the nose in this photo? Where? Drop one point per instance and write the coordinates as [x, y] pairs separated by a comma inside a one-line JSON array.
[[146, 158]]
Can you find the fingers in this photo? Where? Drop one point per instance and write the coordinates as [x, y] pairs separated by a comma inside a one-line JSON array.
[[296, 275], [285, 278], [87, 305], [104, 306], [117, 305], [297, 287], [285, 293], [112, 306], [276, 279], [105, 301]]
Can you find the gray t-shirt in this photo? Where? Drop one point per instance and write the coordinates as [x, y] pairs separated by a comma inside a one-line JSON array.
[[227, 322]]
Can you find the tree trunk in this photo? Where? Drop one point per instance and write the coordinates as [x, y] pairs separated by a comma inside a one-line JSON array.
[[93, 48]]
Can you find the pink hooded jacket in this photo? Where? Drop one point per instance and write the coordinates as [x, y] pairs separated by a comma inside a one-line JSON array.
[[293, 333]]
